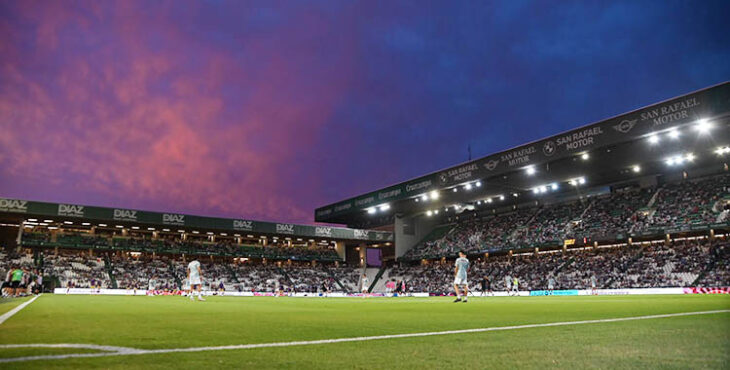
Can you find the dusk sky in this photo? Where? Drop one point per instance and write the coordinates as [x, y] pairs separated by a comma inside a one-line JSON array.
[[267, 110]]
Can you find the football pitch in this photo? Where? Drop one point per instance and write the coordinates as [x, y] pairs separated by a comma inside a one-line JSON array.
[[334, 333]]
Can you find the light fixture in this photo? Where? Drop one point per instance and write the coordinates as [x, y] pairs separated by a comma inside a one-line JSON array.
[[119, 227], [479, 184], [530, 170], [434, 212], [49, 221], [166, 230], [68, 222], [489, 200], [467, 186], [102, 225], [135, 227], [33, 219], [554, 186], [417, 200], [86, 223], [535, 190], [384, 207], [636, 168], [434, 194], [703, 125], [501, 197], [424, 197], [371, 210], [582, 180], [673, 134], [151, 228], [653, 139], [585, 156], [429, 213]]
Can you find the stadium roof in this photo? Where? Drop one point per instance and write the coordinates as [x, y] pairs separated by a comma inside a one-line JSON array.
[[18, 211], [674, 135]]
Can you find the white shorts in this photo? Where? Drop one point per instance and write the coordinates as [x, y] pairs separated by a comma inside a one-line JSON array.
[[194, 280], [550, 287], [460, 281]]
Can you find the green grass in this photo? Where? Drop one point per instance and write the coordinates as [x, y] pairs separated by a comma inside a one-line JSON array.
[[175, 322]]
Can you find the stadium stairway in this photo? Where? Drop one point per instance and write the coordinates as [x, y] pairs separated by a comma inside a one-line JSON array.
[[337, 281], [374, 286], [283, 273], [108, 265], [710, 265], [625, 267], [232, 273], [171, 266]]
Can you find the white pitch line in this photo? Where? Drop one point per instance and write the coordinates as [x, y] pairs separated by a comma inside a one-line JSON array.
[[15, 310], [122, 351]]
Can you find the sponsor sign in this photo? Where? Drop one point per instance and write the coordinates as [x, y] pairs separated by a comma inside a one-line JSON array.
[[554, 292], [125, 215], [285, 228], [242, 225], [13, 205], [173, 219], [70, 210], [323, 231]]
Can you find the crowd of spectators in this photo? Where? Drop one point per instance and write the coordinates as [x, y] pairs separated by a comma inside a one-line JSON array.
[[655, 265], [77, 270], [689, 202], [168, 243], [602, 217]]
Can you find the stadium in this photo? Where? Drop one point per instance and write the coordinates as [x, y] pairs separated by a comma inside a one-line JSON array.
[[635, 206]]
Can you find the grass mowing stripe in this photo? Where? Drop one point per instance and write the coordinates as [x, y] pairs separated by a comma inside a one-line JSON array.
[[15, 310], [131, 351]]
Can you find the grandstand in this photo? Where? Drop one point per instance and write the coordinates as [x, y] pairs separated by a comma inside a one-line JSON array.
[[637, 201]]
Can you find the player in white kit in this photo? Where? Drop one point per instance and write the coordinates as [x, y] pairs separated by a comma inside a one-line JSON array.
[[194, 279], [461, 266]]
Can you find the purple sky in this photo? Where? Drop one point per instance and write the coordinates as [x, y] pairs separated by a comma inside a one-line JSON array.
[[268, 111]]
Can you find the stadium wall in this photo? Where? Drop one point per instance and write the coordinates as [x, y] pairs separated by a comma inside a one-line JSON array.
[[406, 240]]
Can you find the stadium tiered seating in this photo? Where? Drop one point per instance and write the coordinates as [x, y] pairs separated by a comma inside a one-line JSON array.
[[604, 217], [689, 203], [611, 214], [137, 242]]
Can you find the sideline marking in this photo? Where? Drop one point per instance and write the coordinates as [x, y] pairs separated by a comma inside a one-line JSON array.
[[122, 351], [15, 310]]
